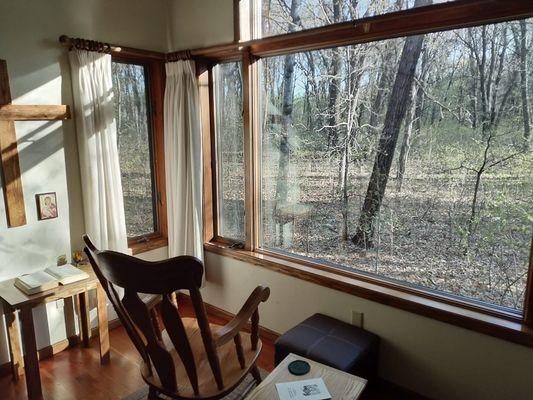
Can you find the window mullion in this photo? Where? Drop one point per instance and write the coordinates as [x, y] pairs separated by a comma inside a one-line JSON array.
[[249, 100], [205, 86]]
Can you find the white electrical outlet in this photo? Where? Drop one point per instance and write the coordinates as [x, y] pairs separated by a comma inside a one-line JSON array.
[[357, 319]]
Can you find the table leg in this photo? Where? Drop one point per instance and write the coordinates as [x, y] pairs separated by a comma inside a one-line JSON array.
[[103, 334], [15, 350], [31, 361], [84, 318]]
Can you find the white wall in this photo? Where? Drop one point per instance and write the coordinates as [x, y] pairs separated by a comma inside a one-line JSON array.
[[436, 359], [39, 74], [200, 23]]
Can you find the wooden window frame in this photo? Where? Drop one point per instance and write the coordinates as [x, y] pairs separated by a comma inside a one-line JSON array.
[[155, 84], [516, 327]]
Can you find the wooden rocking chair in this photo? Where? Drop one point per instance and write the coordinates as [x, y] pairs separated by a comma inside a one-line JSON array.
[[193, 359]]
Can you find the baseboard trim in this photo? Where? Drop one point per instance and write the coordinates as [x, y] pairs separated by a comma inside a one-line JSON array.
[[5, 369]]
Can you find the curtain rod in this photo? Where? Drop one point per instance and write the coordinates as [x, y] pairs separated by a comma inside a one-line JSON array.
[[195, 54], [102, 47], [179, 55], [462, 13]]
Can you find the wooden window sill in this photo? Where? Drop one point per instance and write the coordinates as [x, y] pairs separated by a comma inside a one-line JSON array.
[[507, 327], [138, 247]]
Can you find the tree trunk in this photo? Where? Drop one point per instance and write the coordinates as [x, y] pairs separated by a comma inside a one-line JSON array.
[[383, 84], [389, 136], [333, 90], [406, 141], [286, 119], [473, 94], [520, 40], [413, 123], [483, 85], [344, 170], [355, 73]]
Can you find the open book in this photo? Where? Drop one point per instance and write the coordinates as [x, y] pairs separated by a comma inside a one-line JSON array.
[[50, 278]]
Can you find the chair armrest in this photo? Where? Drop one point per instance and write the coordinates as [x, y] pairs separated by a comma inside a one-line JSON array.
[[232, 328]]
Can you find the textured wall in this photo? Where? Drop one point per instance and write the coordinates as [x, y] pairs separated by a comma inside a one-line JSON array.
[[39, 73], [438, 360], [200, 23]]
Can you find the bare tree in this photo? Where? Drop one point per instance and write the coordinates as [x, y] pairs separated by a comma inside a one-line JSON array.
[[488, 51], [334, 79], [286, 119], [396, 110], [520, 39], [385, 77], [355, 69], [483, 167], [406, 140]]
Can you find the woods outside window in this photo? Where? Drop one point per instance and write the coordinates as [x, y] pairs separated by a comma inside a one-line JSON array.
[[229, 147], [139, 136], [401, 159]]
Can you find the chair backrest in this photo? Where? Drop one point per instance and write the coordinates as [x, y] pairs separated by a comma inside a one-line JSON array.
[[162, 278]]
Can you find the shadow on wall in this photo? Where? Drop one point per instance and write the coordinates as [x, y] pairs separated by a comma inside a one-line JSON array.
[[34, 151]]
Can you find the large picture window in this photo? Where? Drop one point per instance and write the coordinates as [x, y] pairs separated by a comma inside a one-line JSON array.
[[406, 158], [389, 157]]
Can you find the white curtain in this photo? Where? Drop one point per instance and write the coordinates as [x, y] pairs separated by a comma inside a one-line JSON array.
[[103, 204], [183, 160]]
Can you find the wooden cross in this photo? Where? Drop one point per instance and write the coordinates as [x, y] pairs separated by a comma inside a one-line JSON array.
[[9, 157]]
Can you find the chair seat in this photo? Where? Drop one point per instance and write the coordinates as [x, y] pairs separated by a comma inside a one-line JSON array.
[[150, 300], [232, 374]]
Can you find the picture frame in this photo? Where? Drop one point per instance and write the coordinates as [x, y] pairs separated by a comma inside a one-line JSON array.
[[46, 205]]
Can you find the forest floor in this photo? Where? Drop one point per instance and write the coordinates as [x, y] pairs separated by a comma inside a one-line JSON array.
[[421, 234]]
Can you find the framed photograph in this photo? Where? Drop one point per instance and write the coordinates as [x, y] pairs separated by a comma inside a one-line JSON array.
[[46, 205]]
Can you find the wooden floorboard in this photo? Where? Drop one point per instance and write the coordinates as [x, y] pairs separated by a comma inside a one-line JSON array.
[[76, 373]]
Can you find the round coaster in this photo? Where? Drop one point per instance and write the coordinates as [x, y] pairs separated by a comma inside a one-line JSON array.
[[299, 367]]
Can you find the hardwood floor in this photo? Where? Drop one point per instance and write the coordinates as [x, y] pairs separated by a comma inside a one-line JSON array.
[[76, 373]]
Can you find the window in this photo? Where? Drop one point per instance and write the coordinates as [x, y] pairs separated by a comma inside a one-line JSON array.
[[439, 198], [279, 16], [137, 143], [395, 153], [229, 145]]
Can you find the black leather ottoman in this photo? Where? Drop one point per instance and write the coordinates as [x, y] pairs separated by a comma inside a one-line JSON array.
[[332, 342]]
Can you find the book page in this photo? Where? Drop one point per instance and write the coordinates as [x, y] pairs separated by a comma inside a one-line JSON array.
[[310, 389], [67, 273], [35, 282], [37, 279]]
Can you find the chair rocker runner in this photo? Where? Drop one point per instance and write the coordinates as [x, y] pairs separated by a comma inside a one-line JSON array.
[[189, 358]]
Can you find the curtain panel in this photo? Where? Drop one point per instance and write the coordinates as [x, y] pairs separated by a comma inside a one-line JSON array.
[[103, 203], [183, 160]]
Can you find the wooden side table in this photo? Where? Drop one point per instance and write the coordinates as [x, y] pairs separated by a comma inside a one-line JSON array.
[[341, 385], [13, 299]]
